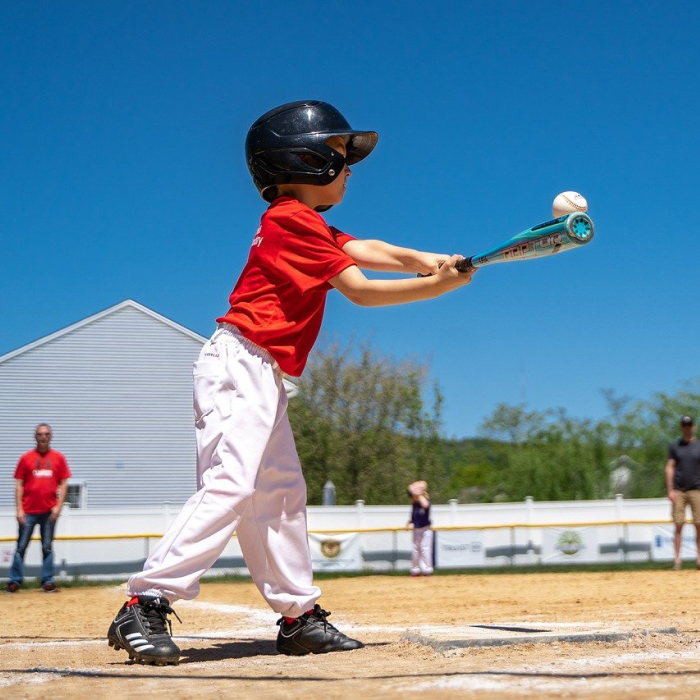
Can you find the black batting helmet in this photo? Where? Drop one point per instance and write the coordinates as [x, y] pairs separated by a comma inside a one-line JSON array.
[[287, 145]]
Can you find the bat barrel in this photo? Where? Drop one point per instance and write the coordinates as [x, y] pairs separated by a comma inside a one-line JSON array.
[[548, 238]]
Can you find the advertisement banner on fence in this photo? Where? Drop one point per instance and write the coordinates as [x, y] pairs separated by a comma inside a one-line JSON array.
[[662, 542], [335, 552], [572, 544], [456, 549]]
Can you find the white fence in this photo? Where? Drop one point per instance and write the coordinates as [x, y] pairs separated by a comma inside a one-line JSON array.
[[111, 543]]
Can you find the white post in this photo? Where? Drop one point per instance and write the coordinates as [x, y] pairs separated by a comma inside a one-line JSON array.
[[619, 498], [360, 508], [166, 515], [529, 503], [620, 528], [453, 511], [65, 527]]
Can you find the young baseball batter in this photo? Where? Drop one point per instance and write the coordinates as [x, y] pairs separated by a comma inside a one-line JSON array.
[[249, 476]]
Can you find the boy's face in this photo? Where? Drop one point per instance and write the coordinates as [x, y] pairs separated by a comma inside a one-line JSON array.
[[335, 191]]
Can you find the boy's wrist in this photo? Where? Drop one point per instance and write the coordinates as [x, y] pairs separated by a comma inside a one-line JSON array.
[[435, 282]]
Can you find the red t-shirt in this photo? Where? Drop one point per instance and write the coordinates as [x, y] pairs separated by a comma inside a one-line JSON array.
[[279, 298], [41, 475]]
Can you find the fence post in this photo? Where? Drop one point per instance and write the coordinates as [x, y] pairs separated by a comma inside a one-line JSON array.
[[66, 547], [453, 511], [166, 515], [529, 502], [360, 508], [621, 527]]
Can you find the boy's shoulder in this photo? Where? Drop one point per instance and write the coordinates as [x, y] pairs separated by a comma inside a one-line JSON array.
[[289, 206], [285, 210]]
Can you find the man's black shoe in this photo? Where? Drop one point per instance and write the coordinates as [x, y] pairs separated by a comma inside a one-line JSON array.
[[143, 629], [312, 634]]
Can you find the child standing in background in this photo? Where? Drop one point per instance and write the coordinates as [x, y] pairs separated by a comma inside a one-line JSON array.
[[422, 555]]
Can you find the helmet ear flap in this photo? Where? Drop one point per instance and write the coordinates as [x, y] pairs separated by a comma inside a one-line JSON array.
[[318, 165], [320, 162]]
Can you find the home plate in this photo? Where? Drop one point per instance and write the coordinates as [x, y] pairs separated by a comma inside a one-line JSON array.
[[505, 634]]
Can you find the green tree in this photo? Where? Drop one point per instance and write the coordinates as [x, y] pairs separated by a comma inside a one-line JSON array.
[[551, 455], [361, 420], [651, 424]]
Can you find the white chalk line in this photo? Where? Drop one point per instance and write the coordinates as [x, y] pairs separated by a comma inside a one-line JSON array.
[[260, 622], [256, 622], [538, 679], [30, 646], [44, 674]]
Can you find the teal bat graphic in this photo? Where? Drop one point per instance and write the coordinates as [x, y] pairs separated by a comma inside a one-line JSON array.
[[555, 236]]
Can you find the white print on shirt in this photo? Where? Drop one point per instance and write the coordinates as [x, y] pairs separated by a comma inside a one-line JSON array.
[[42, 473], [258, 238]]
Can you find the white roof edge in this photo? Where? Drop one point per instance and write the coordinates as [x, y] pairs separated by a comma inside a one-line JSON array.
[[291, 388], [95, 317], [163, 319]]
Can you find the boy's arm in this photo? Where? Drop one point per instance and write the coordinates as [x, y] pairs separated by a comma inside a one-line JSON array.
[[385, 257], [364, 292]]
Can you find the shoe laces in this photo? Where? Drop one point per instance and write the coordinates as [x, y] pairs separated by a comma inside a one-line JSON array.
[[155, 612], [317, 613], [320, 614]]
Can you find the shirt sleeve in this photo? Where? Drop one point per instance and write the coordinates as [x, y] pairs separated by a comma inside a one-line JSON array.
[[672, 451], [20, 470], [64, 470], [309, 255], [341, 238]]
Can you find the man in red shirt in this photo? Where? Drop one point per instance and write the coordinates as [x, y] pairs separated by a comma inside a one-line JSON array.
[[41, 485]]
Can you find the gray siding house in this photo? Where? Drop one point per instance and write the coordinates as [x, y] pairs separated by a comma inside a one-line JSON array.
[[117, 390]]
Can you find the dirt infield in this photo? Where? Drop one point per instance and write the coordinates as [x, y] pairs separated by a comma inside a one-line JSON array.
[[53, 645]]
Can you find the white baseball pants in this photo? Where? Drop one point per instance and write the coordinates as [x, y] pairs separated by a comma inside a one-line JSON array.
[[249, 479], [422, 555]]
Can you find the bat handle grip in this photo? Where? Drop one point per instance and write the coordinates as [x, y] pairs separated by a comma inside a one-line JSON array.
[[462, 266], [465, 265]]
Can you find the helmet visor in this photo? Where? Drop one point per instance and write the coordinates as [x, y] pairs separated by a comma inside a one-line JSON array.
[[360, 145]]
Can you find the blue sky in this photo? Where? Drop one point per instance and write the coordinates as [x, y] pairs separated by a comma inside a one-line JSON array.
[[122, 174]]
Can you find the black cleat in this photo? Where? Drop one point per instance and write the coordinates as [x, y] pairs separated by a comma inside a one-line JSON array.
[[312, 634], [12, 587], [144, 631]]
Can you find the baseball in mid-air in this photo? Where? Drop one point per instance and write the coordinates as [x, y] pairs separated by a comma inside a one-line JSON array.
[[568, 203]]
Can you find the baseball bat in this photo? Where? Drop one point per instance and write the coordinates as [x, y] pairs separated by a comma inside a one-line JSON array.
[[567, 232]]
